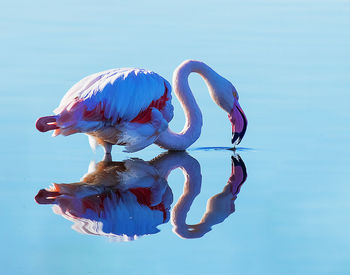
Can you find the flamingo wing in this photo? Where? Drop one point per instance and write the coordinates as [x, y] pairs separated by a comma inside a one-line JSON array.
[[117, 95]]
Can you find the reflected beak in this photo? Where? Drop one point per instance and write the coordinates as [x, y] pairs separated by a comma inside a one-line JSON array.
[[239, 124], [237, 161], [238, 174]]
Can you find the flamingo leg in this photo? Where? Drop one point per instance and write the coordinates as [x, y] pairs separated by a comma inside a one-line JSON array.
[[108, 149]]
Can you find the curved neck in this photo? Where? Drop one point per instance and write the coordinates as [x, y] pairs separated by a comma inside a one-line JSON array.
[[192, 129]]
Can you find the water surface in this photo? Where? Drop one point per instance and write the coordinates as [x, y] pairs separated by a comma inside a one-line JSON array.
[[289, 61]]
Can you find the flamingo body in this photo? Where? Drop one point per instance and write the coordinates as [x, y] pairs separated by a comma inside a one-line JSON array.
[[132, 107], [127, 106]]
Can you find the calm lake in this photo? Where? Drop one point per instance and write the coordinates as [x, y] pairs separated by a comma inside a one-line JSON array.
[[278, 205]]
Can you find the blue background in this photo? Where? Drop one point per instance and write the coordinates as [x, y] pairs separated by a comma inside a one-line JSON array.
[[289, 61]]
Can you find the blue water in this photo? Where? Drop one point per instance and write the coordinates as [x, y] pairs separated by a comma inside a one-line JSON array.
[[289, 61]]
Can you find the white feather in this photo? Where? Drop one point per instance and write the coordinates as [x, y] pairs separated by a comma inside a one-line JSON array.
[[124, 93]]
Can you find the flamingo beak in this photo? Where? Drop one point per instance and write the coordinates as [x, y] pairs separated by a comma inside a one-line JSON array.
[[239, 124]]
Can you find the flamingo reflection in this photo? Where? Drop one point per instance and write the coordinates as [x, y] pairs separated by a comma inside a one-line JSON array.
[[129, 199]]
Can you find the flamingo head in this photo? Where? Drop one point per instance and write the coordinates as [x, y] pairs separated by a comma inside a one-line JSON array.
[[225, 95]]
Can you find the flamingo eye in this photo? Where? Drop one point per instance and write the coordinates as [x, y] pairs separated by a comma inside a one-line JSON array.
[[235, 95]]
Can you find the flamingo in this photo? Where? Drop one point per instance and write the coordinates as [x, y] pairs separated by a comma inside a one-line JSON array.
[[128, 199], [132, 107], [120, 200]]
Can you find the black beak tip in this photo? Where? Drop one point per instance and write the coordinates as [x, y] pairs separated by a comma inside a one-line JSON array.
[[236, 138], [237, 160], [234, 161]]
